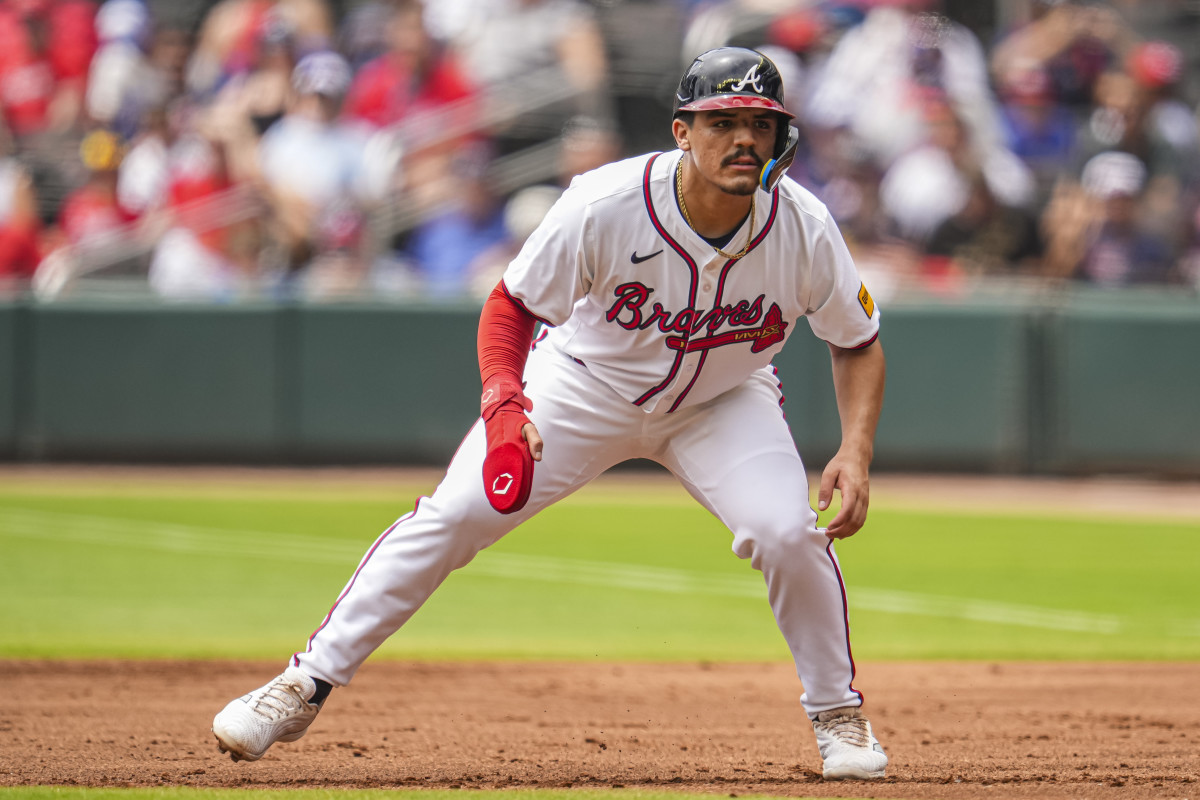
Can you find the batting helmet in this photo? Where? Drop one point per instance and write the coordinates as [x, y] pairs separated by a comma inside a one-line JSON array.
[[737, 77]]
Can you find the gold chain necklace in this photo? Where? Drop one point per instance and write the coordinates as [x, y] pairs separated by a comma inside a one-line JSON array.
[[683, 207]]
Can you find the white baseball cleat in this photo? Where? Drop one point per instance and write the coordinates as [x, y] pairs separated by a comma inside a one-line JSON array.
[[277, 712], [848, 747]]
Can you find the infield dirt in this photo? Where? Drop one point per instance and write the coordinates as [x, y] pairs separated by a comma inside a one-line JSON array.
[[952, 730]]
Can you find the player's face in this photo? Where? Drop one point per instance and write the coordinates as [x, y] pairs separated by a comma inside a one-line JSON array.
[[729, 147]]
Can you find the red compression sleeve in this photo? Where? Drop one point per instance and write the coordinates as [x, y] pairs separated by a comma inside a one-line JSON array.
[[505, 331]]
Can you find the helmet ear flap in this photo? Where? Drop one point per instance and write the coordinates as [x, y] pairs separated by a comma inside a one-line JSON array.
[[782, 133], [775, 169]]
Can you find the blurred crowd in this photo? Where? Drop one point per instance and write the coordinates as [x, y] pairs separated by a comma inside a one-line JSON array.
[[311, 149], [1066, 149]]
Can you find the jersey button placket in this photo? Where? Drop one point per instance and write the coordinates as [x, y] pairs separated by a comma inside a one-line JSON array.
[[711, 269], [703, 300]]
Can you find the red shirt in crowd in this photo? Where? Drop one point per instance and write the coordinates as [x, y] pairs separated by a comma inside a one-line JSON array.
[[385, 90], [29, 75], [91, 210]]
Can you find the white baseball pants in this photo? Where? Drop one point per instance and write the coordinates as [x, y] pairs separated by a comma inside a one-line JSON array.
[[734, 454]]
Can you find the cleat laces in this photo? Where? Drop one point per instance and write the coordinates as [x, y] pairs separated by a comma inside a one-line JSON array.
[[278, 700], [849, 729]]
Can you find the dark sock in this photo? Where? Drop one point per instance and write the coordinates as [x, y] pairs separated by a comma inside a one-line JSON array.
[[323, 690]]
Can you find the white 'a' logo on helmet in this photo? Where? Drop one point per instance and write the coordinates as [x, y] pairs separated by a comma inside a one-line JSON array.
[[749, 79]]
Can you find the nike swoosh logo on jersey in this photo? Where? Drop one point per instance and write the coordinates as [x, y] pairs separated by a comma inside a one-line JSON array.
[[636, 259]]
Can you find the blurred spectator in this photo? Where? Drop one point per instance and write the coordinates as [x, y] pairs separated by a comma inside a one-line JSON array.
[[19, 223], [810, 28], [1115, 123], [1172, 141], [461, 250], [526, 50], [878, 73], [250, 170], [418, 92], [413, 76], [363, 35], [209, 252], [1095, 231], [1071, 42], [1134, 118], [142, 178], [585, 144], [170, 47], [803, 32], [506, 39], [47, 49], [253, 100], [137, 94], [1121, 251], [986, 237], [444, 247], [122, 83], [1038, 129], [229, 38], [933, 182], [523, 212], [92, 214], [312, 176], [844, 176]]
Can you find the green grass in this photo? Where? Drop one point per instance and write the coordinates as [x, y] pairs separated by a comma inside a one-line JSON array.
[[118, 570]]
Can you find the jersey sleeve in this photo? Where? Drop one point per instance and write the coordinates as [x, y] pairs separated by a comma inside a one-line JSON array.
[[840, 310], [556, 264]]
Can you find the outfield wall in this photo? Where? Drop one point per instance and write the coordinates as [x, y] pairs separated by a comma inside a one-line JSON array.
[[1002, 381]]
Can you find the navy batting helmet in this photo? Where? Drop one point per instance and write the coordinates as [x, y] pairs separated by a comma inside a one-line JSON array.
[[737, 77]]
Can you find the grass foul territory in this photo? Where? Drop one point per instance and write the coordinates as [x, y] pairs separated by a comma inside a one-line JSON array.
[[629, 570]]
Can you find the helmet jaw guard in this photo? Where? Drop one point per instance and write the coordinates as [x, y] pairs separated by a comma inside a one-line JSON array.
[[774, 170]]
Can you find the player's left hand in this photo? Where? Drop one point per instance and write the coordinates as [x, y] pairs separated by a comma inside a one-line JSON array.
[[848, 475], [513, 444]]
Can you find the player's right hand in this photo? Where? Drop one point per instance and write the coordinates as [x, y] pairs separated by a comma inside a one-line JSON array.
[[512, 445], [849, 477]]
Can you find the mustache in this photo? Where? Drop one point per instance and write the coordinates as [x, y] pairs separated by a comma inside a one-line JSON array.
[[742, 153]]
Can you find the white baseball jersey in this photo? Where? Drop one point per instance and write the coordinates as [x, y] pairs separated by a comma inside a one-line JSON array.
[[644, 306], [654, 312]]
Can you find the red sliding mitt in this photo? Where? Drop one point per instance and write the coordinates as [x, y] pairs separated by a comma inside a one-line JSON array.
[[505, 330], [508, 465]]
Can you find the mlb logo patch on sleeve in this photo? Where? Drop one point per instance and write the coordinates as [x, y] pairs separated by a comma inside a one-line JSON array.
[[865, 300]]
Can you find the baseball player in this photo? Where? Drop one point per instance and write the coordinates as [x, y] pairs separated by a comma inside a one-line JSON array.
[[665, 284]]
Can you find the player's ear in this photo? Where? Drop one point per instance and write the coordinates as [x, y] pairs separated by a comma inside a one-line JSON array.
[[682, 132]]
